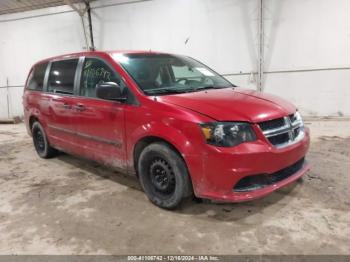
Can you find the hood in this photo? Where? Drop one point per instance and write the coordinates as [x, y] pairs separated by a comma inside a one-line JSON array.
[[230, 104]]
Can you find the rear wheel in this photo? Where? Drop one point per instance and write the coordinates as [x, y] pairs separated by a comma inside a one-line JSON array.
[[163, 175], [41, 143]]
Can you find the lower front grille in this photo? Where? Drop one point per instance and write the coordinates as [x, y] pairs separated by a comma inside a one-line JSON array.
[[250, 183]]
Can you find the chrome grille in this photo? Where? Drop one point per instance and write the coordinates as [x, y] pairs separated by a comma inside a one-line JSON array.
[[272, 124], [282, 132]]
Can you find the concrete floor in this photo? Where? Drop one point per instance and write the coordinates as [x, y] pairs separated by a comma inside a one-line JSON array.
[[67, 205]]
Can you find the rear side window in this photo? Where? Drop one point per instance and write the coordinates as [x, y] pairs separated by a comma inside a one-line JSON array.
[[61, 78], [36, 78]]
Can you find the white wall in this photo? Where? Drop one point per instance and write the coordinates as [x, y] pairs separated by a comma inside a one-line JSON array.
[[220, 33], [307, 34], [25, 41], [11, 102], [299, 34]]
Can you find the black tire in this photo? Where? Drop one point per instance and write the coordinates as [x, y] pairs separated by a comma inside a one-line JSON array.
[[163, 175], [41, 143]]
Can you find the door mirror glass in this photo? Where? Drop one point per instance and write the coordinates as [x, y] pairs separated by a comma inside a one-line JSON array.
[[109, 91]]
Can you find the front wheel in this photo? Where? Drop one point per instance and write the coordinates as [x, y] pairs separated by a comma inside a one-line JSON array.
[[163, 175], [41, 143]]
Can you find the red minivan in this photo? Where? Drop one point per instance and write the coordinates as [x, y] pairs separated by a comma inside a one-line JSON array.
[[176, 124]]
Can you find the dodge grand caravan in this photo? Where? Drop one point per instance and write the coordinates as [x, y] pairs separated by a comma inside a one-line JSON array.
[[181, 128]]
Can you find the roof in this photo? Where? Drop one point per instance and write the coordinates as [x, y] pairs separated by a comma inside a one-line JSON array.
[[15, 6], [133, 52], [72, 55]]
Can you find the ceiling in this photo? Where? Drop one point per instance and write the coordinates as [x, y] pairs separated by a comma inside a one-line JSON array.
[[15, 6]]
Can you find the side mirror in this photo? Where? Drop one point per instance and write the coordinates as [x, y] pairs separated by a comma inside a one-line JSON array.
[[109, 91]]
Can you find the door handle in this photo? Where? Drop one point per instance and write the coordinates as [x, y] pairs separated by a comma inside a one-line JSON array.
[[67, 106], [79, 107]]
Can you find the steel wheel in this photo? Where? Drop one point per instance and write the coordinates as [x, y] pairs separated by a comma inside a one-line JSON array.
[[163, 175], [41, 143]]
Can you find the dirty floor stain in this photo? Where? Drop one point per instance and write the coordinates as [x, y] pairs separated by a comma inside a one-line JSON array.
[[67, 205]]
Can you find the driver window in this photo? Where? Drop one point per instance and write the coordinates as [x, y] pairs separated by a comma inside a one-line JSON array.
[[96, 71]]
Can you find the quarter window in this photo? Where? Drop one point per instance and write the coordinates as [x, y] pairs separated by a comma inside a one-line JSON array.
[[96, 71], [36, 79], [62, 74]]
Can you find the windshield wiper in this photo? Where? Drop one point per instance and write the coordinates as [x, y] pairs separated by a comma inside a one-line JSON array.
[[209, 87], [166, 91]]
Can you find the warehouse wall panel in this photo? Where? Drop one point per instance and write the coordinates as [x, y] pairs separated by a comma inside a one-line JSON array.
[[312, 36], [306, 43], [220, 33], [26, 41]]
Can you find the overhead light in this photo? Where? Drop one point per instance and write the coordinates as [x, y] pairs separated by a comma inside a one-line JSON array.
[[121, 58]]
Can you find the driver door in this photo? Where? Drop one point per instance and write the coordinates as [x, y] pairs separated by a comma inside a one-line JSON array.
[[100, 123]]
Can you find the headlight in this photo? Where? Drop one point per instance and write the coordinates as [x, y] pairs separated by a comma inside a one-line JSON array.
[[227, 134]]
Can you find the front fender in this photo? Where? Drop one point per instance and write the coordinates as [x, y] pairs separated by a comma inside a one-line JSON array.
[[184, 136], [181, 138]]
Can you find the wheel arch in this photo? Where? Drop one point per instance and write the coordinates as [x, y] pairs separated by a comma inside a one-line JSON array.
[[32, 120], [142, 143], [145, 141]]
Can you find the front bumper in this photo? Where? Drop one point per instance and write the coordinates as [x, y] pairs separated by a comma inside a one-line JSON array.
[[223, 168]]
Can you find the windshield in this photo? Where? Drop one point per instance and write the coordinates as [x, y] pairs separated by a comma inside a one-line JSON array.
[[165, 74]]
